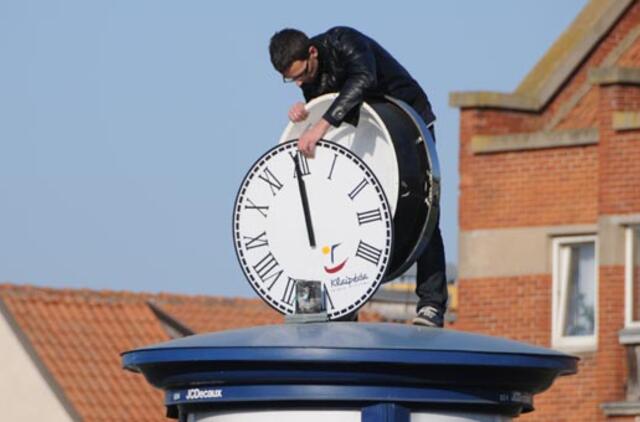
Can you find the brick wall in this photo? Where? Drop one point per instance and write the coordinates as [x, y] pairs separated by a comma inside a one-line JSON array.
[[542, 187], [619, 152], [611, 354], [571, 398], [517, 307], [605, 54], [555, 187]]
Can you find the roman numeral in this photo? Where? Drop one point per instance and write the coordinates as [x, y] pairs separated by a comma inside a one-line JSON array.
[[327, 300], [259, 208], [333, 164], [358, 188], [266, 269], [302, 162], [289, 290], [256, 242], [368, 253], [274, 183], [369, 216]]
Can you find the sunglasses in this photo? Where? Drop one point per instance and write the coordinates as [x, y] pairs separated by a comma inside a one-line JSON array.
[[297, 77]]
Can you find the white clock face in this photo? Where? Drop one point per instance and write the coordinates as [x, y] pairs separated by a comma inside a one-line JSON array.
[[344, 242]]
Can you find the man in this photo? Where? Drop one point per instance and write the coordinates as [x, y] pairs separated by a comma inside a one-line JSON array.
[[346, 61]]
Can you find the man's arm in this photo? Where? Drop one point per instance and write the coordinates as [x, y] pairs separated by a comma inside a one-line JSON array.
[[358, 58], [298, 113], [308, 140]]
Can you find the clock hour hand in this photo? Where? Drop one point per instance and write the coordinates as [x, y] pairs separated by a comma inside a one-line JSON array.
[[305, 202]]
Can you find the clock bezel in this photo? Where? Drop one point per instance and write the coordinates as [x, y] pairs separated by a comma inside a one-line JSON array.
[[386, 255]]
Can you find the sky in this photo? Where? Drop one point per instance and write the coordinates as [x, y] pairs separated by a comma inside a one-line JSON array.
[[126, 126]]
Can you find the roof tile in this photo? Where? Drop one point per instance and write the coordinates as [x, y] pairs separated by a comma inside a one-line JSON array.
[[78, 336]]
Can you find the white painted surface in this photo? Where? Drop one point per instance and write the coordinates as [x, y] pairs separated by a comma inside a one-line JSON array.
[[632, 236], [370, 141], [351, 222], [456, 417], [321, 415], [24, 394], [563, 275], [280, 416]]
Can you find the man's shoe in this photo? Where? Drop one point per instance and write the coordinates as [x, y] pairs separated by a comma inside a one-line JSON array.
[[429, 316]]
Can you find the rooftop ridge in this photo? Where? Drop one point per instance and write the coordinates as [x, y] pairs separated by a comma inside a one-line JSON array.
[[107, 295], [556, 66], [569, 49]]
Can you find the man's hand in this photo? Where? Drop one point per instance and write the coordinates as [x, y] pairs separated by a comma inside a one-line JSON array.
[[297, 113], [308, 140]]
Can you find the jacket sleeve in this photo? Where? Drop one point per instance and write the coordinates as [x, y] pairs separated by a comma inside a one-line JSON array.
[[358, 59]]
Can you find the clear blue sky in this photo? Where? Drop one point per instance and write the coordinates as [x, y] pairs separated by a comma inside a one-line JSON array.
[[126, 126]]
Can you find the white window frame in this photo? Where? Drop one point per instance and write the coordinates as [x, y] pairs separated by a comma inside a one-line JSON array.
[[571, 343], [628, 276]]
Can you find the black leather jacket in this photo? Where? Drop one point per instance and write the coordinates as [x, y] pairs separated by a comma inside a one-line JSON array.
[[359, 68]]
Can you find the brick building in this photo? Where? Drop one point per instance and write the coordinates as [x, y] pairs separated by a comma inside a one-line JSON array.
[[550, 212]]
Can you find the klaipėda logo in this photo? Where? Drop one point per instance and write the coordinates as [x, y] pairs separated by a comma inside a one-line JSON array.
[[326, 250], [348, 280], [210, 393]]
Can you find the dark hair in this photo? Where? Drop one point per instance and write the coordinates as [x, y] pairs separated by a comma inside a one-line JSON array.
[[287, 46]]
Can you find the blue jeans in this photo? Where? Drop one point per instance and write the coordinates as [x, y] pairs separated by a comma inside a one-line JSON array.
[[431, 280]]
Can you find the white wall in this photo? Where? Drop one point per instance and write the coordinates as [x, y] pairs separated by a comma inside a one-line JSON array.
[[24, 394]]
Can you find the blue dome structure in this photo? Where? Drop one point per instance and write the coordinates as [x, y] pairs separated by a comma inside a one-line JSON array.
[[402, 368]]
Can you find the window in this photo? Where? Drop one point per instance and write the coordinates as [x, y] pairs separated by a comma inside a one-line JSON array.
[[575, 294], [632, 277]]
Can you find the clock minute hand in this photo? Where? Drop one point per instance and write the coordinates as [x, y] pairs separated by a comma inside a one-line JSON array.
[[305, 202]]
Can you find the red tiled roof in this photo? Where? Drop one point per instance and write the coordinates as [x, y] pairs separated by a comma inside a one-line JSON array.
[[205, 313], [78, 335]]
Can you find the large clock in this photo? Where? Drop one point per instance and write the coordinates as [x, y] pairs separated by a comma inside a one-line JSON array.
[[324, 219], [393, 140]]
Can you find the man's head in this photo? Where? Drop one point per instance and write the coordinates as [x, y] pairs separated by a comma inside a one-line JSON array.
[[294, 56]]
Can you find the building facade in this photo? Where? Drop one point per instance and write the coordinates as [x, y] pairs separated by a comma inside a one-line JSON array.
[[550, 212]]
